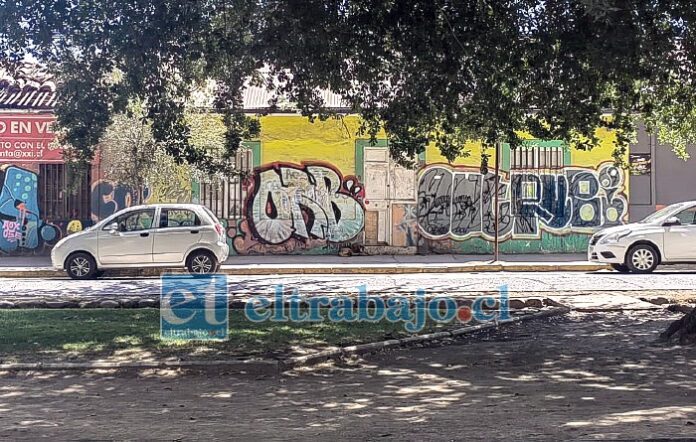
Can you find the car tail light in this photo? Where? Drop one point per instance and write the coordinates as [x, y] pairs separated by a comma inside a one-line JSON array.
[[219, 229]]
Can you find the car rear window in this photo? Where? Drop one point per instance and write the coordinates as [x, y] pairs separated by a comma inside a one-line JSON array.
[[178, 218], [211, 214]]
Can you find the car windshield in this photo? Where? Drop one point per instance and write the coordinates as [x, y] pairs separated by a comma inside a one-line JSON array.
[[663, 213]]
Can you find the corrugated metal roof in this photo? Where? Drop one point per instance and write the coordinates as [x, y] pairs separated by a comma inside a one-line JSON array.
[[257, 98], [32, 89], [28, 87]]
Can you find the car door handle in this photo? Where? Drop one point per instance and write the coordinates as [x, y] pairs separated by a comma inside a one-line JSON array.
[[145, 234], [195, 231]]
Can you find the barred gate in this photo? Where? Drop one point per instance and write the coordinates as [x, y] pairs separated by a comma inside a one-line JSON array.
[[226, 197], [56, 201]]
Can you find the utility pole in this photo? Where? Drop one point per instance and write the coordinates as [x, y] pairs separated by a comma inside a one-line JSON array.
[[496, 219]]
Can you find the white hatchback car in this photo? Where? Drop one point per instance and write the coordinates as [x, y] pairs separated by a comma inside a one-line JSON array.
[[158, 235], [668, 236]]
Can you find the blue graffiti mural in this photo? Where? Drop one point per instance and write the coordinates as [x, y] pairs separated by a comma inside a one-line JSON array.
[[108, 197], [22, 226]]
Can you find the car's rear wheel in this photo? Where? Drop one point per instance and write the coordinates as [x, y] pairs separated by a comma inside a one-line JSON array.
[[81, 266], [642, 258], [623, 268], [202, 263]]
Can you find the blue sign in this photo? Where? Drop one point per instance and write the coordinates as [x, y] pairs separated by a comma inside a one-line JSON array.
[[194, 307]]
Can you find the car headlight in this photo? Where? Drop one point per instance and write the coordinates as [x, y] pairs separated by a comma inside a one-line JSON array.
[[614, 237]]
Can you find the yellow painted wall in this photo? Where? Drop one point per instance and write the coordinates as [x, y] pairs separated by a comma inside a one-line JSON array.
[[592, 158], [597, 155], [293, 138], [433, 155]]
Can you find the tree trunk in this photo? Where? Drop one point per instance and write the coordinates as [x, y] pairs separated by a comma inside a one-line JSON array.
[[681, 331]]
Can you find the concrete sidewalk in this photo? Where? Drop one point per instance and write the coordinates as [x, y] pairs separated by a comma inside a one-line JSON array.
[[45, 261], [27, 267], [404, 264]]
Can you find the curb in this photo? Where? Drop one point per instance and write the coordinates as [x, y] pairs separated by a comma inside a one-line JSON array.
[[536, 301], [256, 366], [277, 366], [375, 269], [336, 352]]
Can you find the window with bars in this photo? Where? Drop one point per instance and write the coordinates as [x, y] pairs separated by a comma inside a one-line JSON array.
[[56, 201], [225, 198], [537, 157]]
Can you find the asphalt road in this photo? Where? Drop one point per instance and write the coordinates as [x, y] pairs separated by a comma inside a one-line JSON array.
[[449, 283]]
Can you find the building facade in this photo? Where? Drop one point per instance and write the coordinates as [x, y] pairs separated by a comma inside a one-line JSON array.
[[659, 177], [314, 188]]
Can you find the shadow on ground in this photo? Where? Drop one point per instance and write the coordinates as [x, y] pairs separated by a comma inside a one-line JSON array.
[[586, 376]]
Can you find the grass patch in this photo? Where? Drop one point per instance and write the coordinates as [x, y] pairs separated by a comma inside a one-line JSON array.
[[77, 334]]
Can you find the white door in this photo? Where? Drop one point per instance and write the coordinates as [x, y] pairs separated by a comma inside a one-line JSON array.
[[177, 232], [376, 175], [680, 240], [386, 185], [132, 242]]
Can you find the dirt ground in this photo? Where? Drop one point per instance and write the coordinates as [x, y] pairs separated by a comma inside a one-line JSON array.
[[584, 376]]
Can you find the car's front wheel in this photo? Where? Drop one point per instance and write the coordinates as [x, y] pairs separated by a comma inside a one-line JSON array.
[[81, 266], [202, 263], [642, 258]]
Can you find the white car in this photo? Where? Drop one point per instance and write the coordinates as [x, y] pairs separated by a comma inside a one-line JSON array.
[[668, 236], [158, 235]]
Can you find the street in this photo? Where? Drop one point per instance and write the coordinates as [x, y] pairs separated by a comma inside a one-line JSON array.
[[519, 283]]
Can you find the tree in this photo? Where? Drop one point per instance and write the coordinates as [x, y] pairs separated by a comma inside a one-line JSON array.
[[130, 155], [127, 151], [440, 71], [675, 125], [683, 330]]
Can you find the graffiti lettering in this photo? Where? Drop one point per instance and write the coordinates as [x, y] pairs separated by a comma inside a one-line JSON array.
[[11, 231], [308, 201], [458, 204]]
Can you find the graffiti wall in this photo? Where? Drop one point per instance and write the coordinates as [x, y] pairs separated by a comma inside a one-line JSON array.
[[23, 228], [457, 203], [303, 207], [304, 195], [405, 225], [108, 197]]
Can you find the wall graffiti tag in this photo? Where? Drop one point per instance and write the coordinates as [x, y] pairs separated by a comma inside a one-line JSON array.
[[308, 201], [22, 226], [108, 197], [458, 203], [11, 230]]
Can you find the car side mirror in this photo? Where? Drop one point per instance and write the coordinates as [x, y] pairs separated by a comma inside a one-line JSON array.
[[672, 221], [113, 228]]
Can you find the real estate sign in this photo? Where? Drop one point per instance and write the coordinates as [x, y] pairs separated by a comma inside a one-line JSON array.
[[28, 138]]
